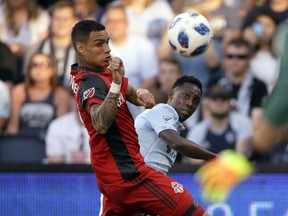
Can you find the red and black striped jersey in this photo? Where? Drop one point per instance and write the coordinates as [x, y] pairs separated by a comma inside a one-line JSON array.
[[115, 156]]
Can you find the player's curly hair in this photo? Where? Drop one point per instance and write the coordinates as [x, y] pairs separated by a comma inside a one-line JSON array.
[[81, 31], [188, 79]]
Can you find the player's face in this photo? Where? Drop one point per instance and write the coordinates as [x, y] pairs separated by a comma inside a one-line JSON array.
[[96, 52], [185, 100]]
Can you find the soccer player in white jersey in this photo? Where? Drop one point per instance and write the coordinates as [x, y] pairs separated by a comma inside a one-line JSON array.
[[158, 128]]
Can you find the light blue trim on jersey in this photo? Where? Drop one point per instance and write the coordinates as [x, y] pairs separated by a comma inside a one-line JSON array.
[[156, 152]]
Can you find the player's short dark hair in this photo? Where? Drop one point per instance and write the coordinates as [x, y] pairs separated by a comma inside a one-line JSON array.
[[188, 79], [81, 31]]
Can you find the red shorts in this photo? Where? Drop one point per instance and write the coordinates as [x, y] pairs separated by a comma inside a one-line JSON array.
[[153, 193]]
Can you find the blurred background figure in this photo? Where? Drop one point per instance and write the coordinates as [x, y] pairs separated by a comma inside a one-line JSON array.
[[8, 66], [4, 104], [58, 43], [37, 101], [223, 128], [88, 9], [247, 91], [22, 23], [169, 71], [241, 6], [277, 9], [264, 64], [70, 145], [137, 52], [150, 19]]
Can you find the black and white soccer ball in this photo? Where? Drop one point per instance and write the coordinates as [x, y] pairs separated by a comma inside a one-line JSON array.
[[190, 34]]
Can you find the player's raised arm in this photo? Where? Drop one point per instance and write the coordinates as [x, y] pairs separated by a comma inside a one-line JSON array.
[[103, 115]]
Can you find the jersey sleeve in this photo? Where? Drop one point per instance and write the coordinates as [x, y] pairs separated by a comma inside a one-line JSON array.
[[163, 117], [92, 90]]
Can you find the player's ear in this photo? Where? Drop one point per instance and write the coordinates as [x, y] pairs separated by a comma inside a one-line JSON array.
[[80, 47], [170, 95]]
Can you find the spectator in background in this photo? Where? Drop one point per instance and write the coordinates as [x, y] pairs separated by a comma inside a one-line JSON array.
[[37, 101], [137, 53], [8, 65], [169, 71], [150, 19], [67, 146], [224, 127], [278, 9], [247, 91], [4, 105], [264, 64], [58, 44], [241, 5], [22, 23], [88, 9]]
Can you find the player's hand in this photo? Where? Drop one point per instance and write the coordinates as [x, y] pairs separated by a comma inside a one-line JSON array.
[[220, 175], [145, 98], [117, 68]]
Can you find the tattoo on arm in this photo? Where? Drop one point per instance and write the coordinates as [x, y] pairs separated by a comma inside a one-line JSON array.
[[103, 115]]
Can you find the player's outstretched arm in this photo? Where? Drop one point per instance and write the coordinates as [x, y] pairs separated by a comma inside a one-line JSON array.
[[186, 147], [140, 97]]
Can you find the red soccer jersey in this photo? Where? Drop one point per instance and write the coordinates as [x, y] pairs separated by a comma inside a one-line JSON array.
[[115, 156]]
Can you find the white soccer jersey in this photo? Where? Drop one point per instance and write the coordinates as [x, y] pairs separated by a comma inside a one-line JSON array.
[[156, 152]]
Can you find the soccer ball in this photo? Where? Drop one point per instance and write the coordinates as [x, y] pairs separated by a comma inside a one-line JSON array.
[[190, 34]]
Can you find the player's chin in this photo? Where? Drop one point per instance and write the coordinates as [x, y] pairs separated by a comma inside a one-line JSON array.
[[105, 63]]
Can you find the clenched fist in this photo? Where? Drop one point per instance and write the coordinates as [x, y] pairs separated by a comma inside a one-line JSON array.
[[117, 68]]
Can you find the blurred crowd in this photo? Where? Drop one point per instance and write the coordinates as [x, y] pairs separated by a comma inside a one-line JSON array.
[[238, 71]]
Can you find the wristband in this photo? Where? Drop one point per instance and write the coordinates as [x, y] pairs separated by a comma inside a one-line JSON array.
[[115, 88]]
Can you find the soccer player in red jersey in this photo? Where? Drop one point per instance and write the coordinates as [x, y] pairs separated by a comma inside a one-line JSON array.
[[127, 183]]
